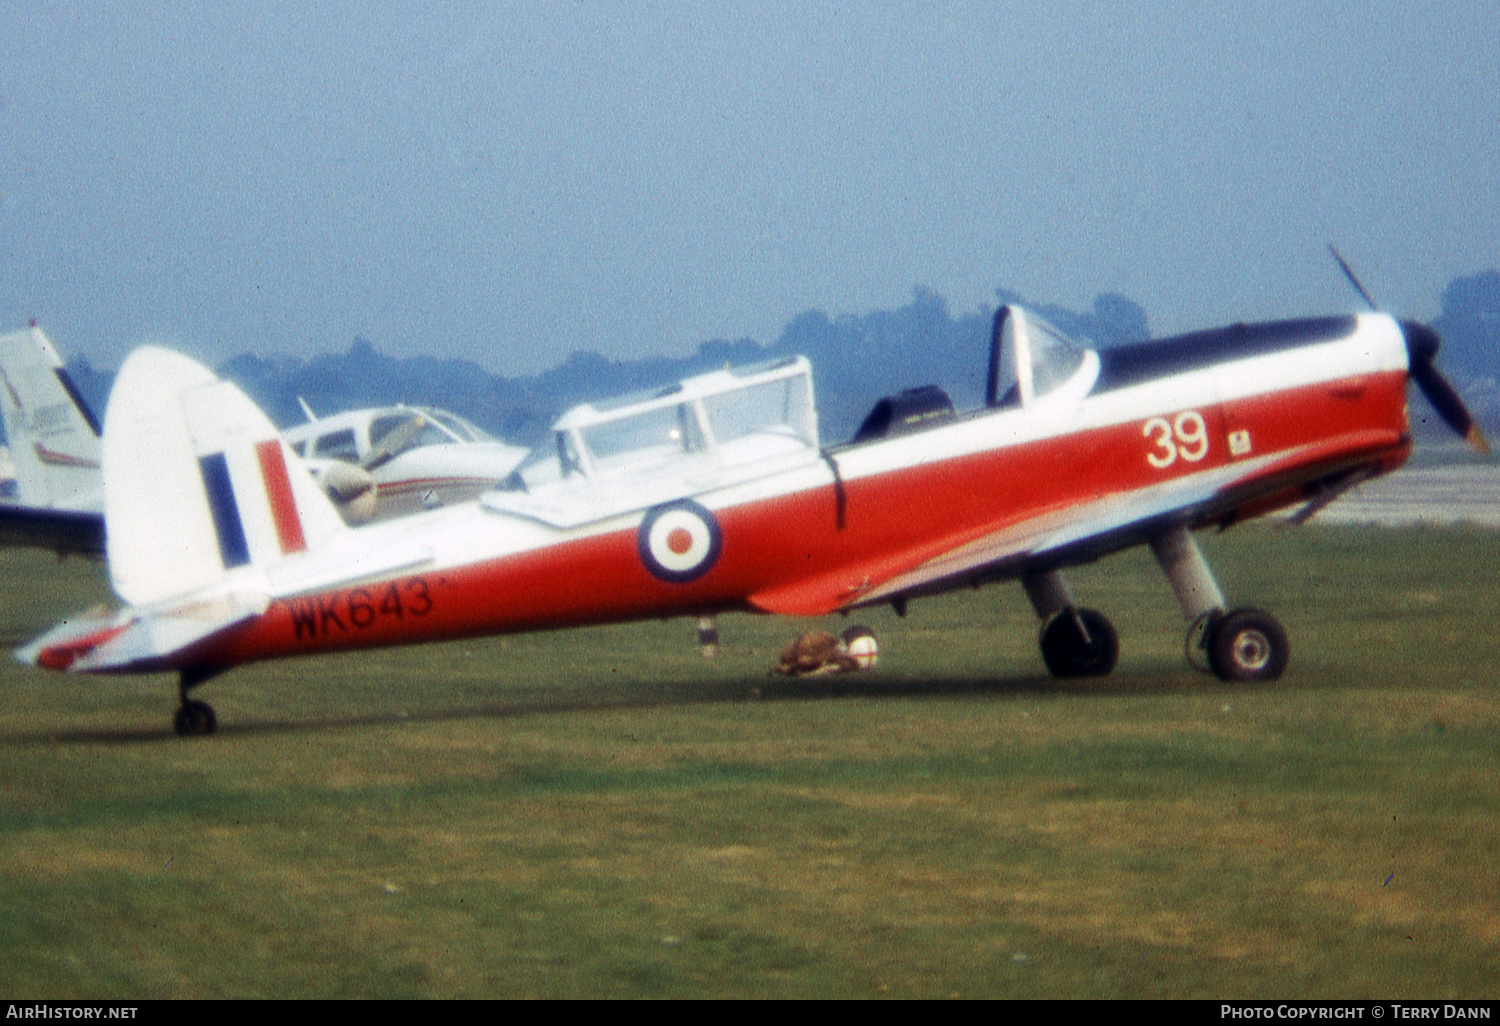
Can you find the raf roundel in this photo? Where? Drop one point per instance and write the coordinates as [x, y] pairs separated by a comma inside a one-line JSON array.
[[679, 542]]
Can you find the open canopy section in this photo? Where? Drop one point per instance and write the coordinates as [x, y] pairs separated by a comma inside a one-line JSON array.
[[1031, 360], [704, 432]]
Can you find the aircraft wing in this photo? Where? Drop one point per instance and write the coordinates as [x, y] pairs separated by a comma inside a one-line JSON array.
[[1069, 534], [64, 530], [1107, 523]]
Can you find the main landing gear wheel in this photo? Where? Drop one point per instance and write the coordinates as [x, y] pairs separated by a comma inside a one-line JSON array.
[[194, 719], [1247, 645], [1079, 643]]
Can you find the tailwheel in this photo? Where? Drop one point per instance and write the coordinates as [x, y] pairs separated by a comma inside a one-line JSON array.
[[1247, 645], [1079, 643], [194, 719]]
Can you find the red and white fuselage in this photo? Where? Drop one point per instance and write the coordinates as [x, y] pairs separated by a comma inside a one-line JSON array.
[[717, 495]]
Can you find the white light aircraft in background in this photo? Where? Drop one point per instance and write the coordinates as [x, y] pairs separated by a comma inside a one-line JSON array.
[[54, 447], [393, 460], [374, 463]]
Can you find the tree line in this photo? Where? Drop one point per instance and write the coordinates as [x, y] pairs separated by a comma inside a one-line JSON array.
[[856, 360]]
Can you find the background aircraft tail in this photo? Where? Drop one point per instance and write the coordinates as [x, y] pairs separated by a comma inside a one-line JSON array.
[[197, 482], [53, 435]]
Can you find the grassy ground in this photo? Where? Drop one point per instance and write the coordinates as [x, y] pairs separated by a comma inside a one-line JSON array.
[[604, 813]]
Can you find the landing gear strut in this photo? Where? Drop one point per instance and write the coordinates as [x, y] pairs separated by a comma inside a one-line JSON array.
[[1242, 644], [1075, 642], [194, 718]]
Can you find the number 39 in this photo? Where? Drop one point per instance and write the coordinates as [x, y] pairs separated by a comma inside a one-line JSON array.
[[1186, 436]]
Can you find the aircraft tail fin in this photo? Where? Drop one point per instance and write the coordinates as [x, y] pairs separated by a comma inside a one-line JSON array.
[[53, 434], [197, 482]]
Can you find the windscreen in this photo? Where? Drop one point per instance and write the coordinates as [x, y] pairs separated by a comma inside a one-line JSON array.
[[774, 407], [654, 434]]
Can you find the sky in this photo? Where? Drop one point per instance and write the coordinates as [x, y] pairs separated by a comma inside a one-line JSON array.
[[510, 182]]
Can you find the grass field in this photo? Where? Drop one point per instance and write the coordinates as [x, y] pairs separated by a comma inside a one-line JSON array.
[[604, 813]]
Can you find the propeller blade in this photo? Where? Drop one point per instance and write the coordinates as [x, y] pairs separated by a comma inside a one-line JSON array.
[[1421, 347], [1422, 344], [1444, 398], [352, 489], [395, 441], [1352, 279]]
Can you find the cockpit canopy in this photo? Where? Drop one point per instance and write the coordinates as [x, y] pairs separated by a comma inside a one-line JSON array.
[[702, 432], [732, 426], [1030, 359]]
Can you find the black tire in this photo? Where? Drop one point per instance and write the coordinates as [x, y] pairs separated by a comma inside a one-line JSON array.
[[195, 719], [1247, 645], [1079, 643]]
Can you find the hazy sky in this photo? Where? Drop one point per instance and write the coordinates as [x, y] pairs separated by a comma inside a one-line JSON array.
[[509, 182]]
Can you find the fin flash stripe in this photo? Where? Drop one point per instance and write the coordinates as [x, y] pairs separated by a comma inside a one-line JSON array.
[[226, 512], [279, 492]]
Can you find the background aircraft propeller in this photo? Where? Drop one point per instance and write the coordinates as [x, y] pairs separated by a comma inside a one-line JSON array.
[[352, 489], [1422, 344], [395, 441]]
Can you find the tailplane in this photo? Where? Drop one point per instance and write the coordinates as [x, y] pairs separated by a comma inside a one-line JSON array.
[[197, 482]]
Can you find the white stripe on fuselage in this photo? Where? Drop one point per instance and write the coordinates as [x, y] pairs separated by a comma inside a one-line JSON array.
[[469, 533]]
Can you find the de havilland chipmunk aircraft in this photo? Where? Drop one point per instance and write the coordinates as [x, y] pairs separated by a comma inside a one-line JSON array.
[[374, 463], [716, 495]]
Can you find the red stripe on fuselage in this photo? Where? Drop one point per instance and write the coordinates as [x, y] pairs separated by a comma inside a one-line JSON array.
[[279, 493], [894, 521], [418, 483]]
